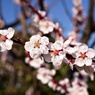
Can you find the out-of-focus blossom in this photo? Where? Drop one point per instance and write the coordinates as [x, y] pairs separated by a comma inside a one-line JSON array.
[[75, 11], [76, 90], [77, 2], [64, 84], [45, 75], [36, 17], [79, 87], [29, 91], [82, 75], [52, 84], [17, 2], [36, 63], [73, 34]]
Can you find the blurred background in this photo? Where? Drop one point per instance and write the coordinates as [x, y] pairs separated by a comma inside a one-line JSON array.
[[17, 77]]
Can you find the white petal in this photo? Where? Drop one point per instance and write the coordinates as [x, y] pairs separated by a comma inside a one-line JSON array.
[[44, 49], [4, 32], [35, 38], [57, 60], [88, 61], [68, 41], [43, 13], [36, 63], [79, 62], [71, 50], [45, 81], [28, 46], [10, 32], [83, 48], [8, 44], [44, 40], [1, 31], [92, 77], [35, 53], [53, 72], [90, 53], [58, 45], [75, 11]]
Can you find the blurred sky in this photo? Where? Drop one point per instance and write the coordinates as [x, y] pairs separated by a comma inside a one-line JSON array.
[[10, 12]]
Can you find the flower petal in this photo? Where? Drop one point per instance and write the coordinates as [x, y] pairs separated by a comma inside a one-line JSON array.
[[28, 46], [88, 61], [10, 32], [90, 53], [83, 48], [79, 62]]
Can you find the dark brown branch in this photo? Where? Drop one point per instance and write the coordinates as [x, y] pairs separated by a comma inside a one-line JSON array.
[[41, 17], [16, 22], [89, 29], [33, 9], [11, 24], [18, 41], [41, 3], [22, 21]]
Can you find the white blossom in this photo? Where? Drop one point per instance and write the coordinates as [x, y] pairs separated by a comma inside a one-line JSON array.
[[77, 2], [45, 75], [57, 53], [63, 85], [79, 87], [46, 26], [5, 39], [36, 17], [76, 90], [75, 11], [84, 56], [52, 84], [36, 63], [37, 46]]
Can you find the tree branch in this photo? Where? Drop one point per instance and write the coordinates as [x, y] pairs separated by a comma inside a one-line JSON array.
[[89, 29]]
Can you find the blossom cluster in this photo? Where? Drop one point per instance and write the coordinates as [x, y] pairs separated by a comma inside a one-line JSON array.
[[59, 52], [40, 51]]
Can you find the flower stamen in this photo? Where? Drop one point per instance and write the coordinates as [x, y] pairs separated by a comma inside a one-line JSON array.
[[83, 55], [37, 44]]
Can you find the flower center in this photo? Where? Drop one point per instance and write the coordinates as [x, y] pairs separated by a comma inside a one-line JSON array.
[[55, 52], [83, 55], [47, 25], [3, 38], [45, 74], [37, 44]]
